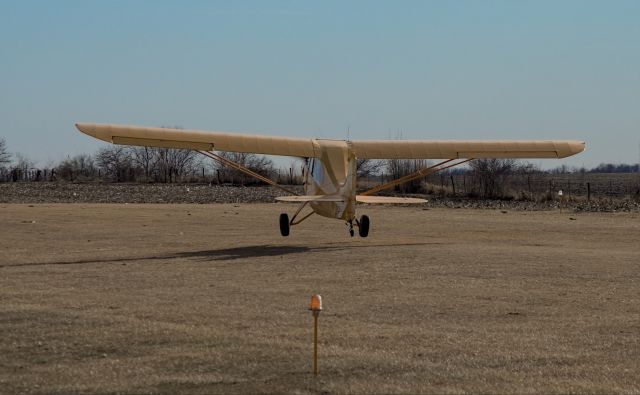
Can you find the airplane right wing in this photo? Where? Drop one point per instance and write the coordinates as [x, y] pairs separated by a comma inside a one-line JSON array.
[[199, 140]]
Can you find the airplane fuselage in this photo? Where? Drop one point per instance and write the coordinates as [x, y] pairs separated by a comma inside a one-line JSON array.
[[333, 173]]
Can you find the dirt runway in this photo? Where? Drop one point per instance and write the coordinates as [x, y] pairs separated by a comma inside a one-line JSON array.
[[211, 299]]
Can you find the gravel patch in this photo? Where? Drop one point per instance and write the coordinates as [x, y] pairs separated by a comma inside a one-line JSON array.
[[59, 192], [62, 192]]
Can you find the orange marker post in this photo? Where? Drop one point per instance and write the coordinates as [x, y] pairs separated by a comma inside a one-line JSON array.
[[316, 308]]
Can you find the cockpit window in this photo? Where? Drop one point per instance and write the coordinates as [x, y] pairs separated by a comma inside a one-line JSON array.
[[317, 171]]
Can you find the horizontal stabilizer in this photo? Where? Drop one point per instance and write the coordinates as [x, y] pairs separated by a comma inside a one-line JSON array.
[[311, 198], [388, 200]]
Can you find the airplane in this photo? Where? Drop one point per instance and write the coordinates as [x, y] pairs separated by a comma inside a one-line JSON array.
[[329, 171]]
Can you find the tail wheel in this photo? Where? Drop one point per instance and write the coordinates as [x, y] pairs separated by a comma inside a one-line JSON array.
[[363, 229], [284, 224]]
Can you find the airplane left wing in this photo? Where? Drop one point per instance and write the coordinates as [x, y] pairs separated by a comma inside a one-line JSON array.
[[199, 140], [388, 200], [464, 149]]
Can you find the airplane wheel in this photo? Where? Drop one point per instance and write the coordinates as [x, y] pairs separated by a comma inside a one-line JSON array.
[[363, 229], [284, 224]]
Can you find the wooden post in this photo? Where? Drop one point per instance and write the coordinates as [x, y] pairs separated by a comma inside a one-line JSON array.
[[315, 342], [588, 192], [453, 185], [316, 308]]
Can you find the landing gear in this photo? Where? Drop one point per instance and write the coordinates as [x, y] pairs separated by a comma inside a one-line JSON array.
[[363, 226], [284, 224], [350, 224]]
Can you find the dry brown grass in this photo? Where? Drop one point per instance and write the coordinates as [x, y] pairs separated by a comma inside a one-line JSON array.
[[210, 299]]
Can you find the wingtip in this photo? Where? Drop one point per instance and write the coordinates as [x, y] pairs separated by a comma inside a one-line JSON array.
[[100, 132], [83, 127]]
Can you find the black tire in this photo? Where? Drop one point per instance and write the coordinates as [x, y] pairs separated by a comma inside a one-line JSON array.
[[363, 229], [284, 224]]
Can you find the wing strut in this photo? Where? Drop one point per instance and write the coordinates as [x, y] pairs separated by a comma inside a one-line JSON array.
[[425, 171], [293, 219], [245, 170]]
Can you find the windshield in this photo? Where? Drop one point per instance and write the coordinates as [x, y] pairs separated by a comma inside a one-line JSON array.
[[317, 171]]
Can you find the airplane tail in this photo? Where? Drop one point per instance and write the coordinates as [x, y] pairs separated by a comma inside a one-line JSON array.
[[310, 198]]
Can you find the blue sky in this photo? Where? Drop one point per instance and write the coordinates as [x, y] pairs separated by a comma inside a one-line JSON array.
[[429, 70]]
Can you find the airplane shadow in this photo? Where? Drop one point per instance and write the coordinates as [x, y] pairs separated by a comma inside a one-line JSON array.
[[266, 250], [226, 254], [256, 251]]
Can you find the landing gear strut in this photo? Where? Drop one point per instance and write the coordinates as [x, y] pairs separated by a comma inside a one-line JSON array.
[[350, 224], [286, 224]]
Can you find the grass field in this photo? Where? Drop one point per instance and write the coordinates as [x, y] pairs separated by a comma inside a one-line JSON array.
[[211, 299]]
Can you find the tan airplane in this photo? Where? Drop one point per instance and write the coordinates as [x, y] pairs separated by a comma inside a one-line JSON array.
[[330, 169]]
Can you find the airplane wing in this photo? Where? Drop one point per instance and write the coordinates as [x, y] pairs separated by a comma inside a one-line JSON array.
[[464, 149], [388, 200], [304, 147], [199, 140]]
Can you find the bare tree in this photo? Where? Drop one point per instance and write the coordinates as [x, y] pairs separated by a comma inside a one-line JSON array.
[[23, 163], [5, 156], [168, 164], [257, 163], [79, 167], [492, 174], [21, 167], [368, 167], [401, 167], [172, 163], [146, 159], [115, 161]]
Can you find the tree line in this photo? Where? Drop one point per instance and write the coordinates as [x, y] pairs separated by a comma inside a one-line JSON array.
[[488, 177], [139, 164]]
